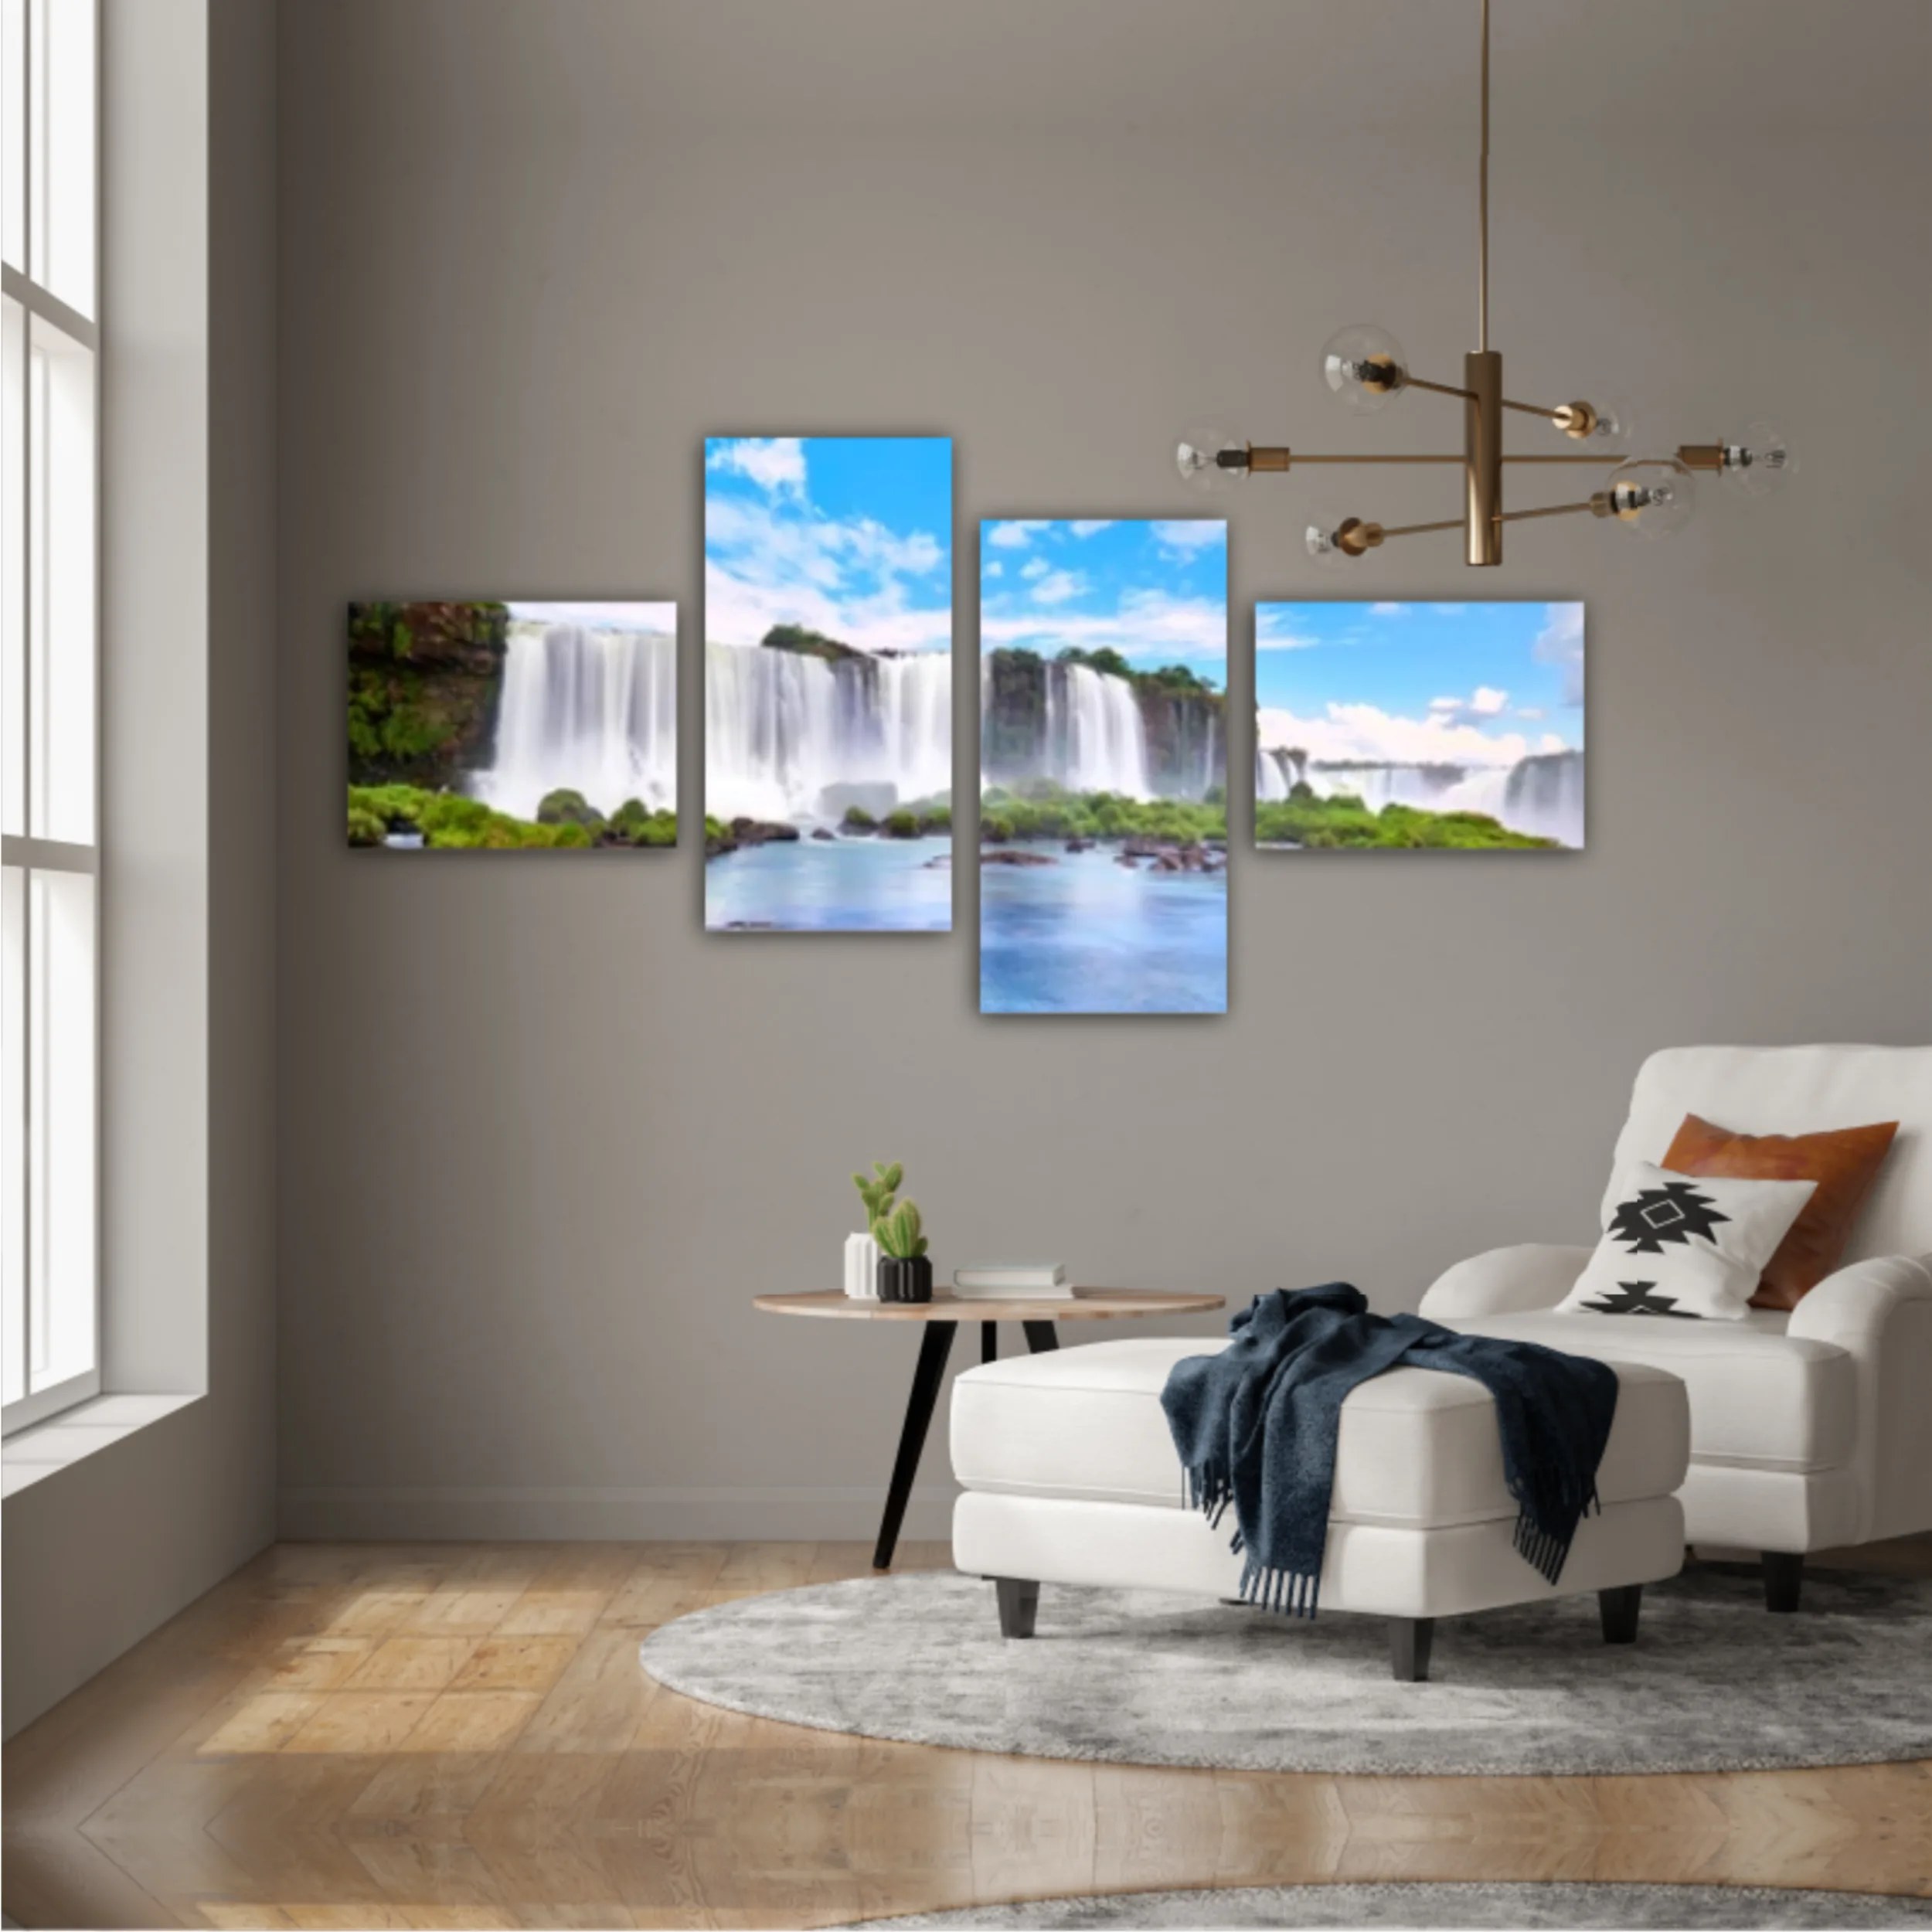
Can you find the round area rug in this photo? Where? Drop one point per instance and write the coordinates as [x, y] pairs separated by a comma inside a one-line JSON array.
[[1490, 1905], [1714, 1682]]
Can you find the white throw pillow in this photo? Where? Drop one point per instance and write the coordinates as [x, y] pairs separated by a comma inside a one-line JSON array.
[[1685, 1246]]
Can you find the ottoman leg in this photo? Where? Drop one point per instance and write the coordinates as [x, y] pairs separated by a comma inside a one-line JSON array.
[[1783, 1575], [1619, 1607], [1018, 1605], [1409, 1641]]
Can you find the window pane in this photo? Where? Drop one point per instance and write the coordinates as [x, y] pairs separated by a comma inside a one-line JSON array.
[[61, 80], [13, 1150], [61, 1125], [13, 558], [60, 634], [13, 124]]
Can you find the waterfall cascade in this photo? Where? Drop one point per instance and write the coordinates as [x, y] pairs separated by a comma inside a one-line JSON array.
[[591, 707], [1096, 740], [781, 726], [1088, 730], [1541, 796]]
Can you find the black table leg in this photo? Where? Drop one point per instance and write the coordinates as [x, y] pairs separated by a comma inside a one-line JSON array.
[[1041, 1336], [933, 1349], [989, 1341]]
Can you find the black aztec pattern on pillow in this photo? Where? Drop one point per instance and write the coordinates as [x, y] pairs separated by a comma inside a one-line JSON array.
[[1683, 1248]]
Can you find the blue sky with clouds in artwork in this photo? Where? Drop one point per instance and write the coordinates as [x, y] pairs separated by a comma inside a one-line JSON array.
[[1155, 591], [850, 535], [1420, 683]]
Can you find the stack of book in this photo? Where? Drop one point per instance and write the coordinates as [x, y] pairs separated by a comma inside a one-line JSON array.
[[1012, 1280]]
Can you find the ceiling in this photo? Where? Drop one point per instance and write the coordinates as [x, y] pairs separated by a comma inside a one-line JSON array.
[[1690, 71]]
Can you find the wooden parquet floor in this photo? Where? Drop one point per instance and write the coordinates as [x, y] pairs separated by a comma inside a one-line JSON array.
[[460, 1735]]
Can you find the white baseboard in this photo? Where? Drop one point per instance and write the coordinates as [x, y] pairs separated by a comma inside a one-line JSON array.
[[591, 1514]]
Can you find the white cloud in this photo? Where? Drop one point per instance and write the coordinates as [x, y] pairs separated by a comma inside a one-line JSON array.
[[1550, 742], [1534, 713], [995, 569], [776, 463], [1058, 586], [1486, 702], [1185, 536], [1445, 705], [1274, 631], [1015, 534], [778, 561], [1363, 734], [1034, 567], [1561, 643], [1150, 626], [1448, 610], [1091, 526], [1388, 610]]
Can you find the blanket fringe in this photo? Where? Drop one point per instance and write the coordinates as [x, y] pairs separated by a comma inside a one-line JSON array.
[[1292, 1593], [1544, 1551]]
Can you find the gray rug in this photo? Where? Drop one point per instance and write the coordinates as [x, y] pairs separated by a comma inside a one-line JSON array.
[[1482, 1905], [1714, 1682]]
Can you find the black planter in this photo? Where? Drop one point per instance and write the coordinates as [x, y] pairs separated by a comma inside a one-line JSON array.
[[905, 1280]]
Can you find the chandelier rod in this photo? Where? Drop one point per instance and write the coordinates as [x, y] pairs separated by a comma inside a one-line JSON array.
[[1482, 200]]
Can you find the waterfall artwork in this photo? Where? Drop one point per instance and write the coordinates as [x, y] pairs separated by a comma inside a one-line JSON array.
[[1415, 726], [1102, 810], [827, 691], [504, 726]]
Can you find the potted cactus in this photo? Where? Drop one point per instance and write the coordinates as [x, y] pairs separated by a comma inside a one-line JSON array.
[[905, 1271]]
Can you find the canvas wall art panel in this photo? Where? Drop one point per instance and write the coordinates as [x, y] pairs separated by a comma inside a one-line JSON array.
[[492, 726], [1104, 766], [829, 712], [1410, 726]]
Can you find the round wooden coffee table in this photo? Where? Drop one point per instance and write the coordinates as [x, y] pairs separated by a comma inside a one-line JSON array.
[[941, 1318]]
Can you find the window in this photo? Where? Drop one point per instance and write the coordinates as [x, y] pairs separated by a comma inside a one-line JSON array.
[[49, 857]]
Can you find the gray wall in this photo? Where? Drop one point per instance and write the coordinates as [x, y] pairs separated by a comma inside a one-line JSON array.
[[102, 1551], [542, 1137]]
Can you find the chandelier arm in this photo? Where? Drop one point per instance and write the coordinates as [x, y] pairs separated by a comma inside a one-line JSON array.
[[1418, 529], [1532, 409], [1548, 509], [1437, 389]]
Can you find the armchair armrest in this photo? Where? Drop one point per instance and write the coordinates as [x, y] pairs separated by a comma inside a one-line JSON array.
[[1504, 1281], [1880, 1312]]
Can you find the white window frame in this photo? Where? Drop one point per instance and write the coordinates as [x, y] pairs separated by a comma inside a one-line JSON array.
[[26, 853]]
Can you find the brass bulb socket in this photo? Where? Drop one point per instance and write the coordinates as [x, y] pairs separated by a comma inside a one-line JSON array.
[[1701, 456], [1577, 420], [1266, 458], [1382, 371], [1354, 538]]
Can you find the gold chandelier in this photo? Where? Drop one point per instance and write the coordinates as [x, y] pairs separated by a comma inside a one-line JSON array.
[[1365, 368]]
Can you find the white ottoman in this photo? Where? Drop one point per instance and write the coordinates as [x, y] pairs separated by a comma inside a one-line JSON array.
[[1070, 1476]]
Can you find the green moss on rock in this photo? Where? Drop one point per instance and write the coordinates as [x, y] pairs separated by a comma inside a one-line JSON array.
[[425, 684]]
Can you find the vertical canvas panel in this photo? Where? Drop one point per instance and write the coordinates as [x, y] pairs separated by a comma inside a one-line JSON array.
[[495, 726], [1438, 727], [828, 711], [1104, 766]]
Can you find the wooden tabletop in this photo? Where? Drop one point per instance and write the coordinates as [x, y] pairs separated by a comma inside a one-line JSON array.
[[1089, 1305]]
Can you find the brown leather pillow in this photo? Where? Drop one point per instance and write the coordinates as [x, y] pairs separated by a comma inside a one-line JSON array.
[[1844, 1164]]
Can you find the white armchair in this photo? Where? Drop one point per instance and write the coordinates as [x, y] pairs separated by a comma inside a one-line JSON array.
[[1809, 1430]]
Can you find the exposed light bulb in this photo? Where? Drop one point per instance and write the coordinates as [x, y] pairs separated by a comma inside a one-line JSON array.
[[1343, 540], [1605, 419], [1210, 457], [1654, 495], [1364, 366], [1759, 463]]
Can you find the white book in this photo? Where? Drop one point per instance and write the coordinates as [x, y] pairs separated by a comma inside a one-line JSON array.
[[1009, 1291], [1012, 1278]]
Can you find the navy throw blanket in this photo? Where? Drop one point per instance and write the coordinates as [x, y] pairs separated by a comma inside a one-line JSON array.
[[1255, 1426]]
